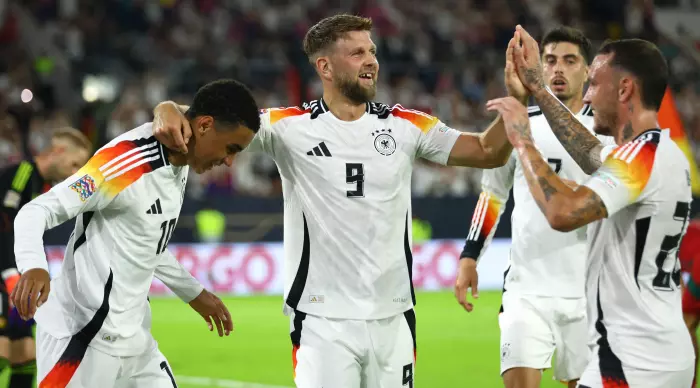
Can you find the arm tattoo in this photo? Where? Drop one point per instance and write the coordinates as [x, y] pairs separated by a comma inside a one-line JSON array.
[[544, 183], [549, 190], [583, 147], [592, 208]]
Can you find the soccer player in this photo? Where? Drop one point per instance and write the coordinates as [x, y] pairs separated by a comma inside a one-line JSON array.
[[543, 305], [689, 256], [636, 203], [93, 329], [346, 165], [68, 151]]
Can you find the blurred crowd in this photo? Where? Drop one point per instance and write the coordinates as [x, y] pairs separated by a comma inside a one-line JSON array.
[[101, 66]]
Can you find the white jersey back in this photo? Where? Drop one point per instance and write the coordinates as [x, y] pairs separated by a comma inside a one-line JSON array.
[[128, 199], [633, 279], [537, 265], [347, 204]]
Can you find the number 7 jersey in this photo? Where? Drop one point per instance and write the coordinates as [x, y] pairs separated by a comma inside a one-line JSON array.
[[633, 277], [347, 204]]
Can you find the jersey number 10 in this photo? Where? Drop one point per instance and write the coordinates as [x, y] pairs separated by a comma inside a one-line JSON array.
[[166, 229]]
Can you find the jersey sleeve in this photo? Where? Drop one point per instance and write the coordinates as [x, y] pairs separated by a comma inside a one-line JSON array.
[[262, 142], [177, 278], [495, 190], [435, 139], [92, 188], [271, 122], [624, 175]]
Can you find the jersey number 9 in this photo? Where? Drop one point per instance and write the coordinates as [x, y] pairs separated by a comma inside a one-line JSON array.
[[355, 174]]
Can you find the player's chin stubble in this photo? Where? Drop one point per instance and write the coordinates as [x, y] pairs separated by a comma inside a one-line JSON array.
[[354, 92]]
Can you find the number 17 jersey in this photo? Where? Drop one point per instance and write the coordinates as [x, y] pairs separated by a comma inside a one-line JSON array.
[[347, 204]]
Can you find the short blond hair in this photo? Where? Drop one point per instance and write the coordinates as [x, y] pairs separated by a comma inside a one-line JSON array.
[[72, 137]]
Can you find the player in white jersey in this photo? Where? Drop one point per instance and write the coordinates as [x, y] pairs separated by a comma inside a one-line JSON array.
[[93, 328], [346, 165], [637, 205], [543, 305]]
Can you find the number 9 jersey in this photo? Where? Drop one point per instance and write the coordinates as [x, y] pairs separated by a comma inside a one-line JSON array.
[[633, 278], [347, 204]]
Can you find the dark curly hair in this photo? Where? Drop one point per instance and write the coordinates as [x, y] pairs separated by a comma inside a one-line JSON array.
[[229, 102]]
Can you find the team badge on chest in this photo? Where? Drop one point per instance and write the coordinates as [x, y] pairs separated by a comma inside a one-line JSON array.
[[384, 143]]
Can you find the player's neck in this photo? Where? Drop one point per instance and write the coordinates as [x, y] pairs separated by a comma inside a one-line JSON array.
[[342, 108], [177, 159], [42, 164], [636, 124], [575, 104]]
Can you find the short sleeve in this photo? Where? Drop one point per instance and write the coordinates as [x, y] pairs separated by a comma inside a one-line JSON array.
[[262, 142], [435, 139], [624, 175], [111, 170], [271, 125]]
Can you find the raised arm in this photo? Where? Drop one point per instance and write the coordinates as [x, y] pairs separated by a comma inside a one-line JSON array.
[[485, 150], [578, 141], [566, 209], [170, 126], [491, 148]]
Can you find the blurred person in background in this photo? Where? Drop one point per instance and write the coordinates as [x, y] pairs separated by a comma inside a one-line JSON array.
[[68, 150]]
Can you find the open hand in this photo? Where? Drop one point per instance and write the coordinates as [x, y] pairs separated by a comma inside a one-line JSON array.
[[211, 308], [31, 292], [515, 118], [171, 127], [526, 55]]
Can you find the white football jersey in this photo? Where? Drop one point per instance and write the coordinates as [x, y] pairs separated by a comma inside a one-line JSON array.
[[127, 199], [347, 204], [543, 261], [633, 278]]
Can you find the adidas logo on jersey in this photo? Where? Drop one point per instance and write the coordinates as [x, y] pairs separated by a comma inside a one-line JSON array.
[[155, 208], [320, 150]]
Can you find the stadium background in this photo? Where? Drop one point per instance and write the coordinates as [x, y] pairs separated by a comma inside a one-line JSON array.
[[101, 66]]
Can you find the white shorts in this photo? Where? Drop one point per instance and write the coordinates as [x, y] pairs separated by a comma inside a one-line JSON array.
[[70, 362], [532, 327], [343, 353], [614, 374]]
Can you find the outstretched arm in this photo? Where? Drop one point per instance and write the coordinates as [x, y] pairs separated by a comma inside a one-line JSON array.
[[578, 141], [566, 209], [485, 150], [491, 148]]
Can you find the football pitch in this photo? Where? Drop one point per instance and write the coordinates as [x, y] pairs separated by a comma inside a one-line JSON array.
[[455, 349]]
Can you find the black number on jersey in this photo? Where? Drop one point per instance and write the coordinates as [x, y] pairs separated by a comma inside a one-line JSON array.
[[166, 229], [669, 252], [407, 376], [555, 163], [355, 174]]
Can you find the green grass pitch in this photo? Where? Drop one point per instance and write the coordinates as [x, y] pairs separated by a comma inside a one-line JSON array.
[[455, 349]]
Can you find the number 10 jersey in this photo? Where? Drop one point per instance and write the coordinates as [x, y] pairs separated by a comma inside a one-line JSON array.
[[347, 204]]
